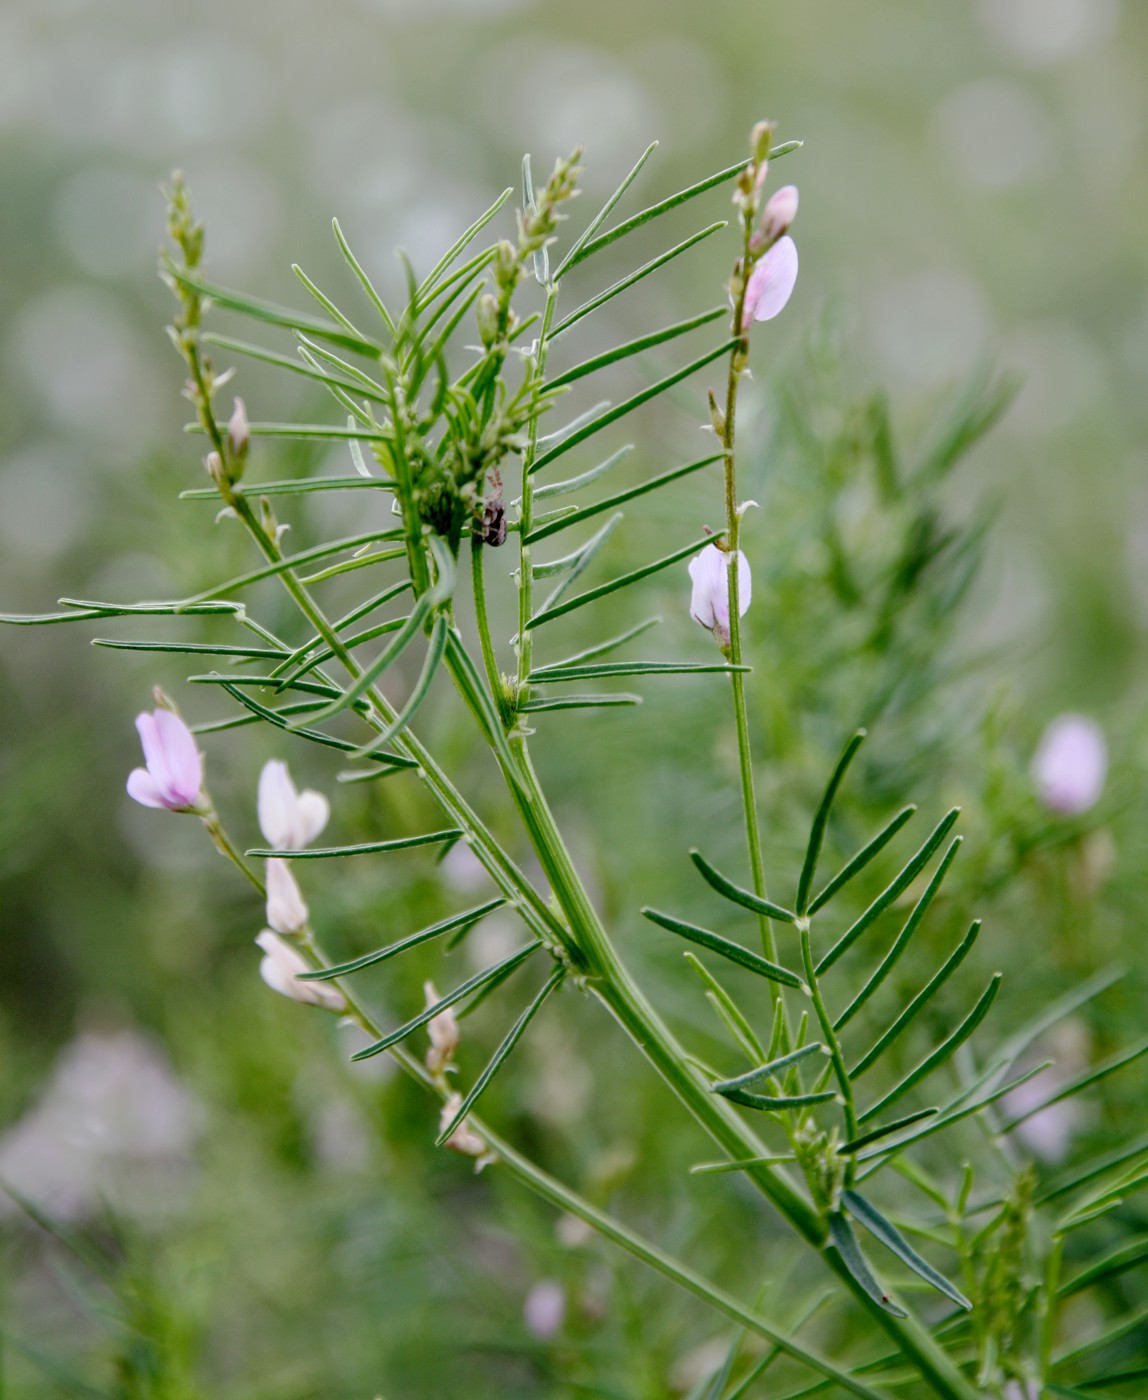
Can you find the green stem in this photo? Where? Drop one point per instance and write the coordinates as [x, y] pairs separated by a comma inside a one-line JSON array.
[[482, 619], [833, 1045], [526, 516]]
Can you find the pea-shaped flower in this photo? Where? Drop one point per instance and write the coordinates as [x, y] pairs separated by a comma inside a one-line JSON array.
[[280, 969], [286, 910], [1071, 764], [288, 819], [709, 598], [771, 282], [173, 777]]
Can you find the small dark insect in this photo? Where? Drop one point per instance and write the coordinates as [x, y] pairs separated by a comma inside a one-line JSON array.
[[494, 513]]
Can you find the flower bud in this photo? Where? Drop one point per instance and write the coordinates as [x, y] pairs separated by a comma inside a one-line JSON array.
[[1071, 764], [443, 1032], [280, 969], [286, 911], [717, 417], [288, 819], [709, 599], [487, 317], [238, 438], [213, 465], [761, 141], [780, 212], [464, 1140]]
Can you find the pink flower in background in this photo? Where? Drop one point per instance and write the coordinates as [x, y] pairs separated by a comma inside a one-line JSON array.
[[280, 969], [1070, 764], [544, 1310], [174, 773], [709, 599], [771, 282], [286, 911], [287, 818]]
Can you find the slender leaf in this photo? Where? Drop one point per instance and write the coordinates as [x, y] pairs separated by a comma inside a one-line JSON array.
[[901, 942], [467, 919], [305, 431], [293, 366], [575, 483], [553, 675], [1114, 1378], [603, 648], [278, 315], [845, 1242], [83, 611], [1077, 1085], [715, 1168], [854, 1145], [1127, 1256], [821, 820], [631, 278], [612, 415], [365, 848], [655, 483], [326, 303], [774, 1103], [499, 1057], [461, 244], [885, 1231], [292, 561], [592, 595], [463, 990], [727, 1010], [772, 1069], [366, 283], [1094, 1169], [918, 1003], [186, 648], [349, 566], [1116, 1333], [470, 683], [578, 702], [891, 892], [575, 563], [1056, 1011], [302, 486], [356, 381], [942, 1052], [419, 692], [736, 894], [636, 347], [390, 653], [604, 213], [728, 949]]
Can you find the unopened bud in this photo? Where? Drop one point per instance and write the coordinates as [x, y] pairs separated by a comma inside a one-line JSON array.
[[286, 911], [464, 1139], [443, 1031], [213, 464], [487, 315], [238, 438], [761, 141], [780, 212], [505, 261], [717, 417]]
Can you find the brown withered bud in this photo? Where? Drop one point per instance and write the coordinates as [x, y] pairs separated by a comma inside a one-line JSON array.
[[493, 529]]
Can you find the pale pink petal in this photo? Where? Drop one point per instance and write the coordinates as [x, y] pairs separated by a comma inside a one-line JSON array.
[[142, 786], [312, 812], [276, 800], [181, 757], [1071, 764], [771, 282], [286, 910], [709, 599]]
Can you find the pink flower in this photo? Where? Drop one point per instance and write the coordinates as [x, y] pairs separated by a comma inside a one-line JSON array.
[[709, 599], [286, 911], [280, 969], [443, 1031], [771, 282], [1071, 764], [780, 211], [287, 818], [174, 773]]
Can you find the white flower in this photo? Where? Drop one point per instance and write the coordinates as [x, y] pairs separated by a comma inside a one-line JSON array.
[[709, 599], [544, 1310], [443, 1032], [286, 911], [280, 969], [464, 1140], [1071, 764], [288, 819]]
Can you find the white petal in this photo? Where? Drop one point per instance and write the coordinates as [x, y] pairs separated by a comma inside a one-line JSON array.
[[286, 910], [311, 813]]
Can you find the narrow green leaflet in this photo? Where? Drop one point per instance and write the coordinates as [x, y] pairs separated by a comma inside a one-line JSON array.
[[727, 1010], [293, 366], [884, 1230], [631, 278], [725, 946], [901, 942], [461, 244], [467, 919], [365, 282], [673, 201], [472, 984], [549, 612], [419, 692], [1125, 1327], [83, 610], [578, 702], [293, 561], [655, 483], [470, 683], [1056, 1011], [326, 303], [575, 483], [279, 315], [854, 1145], [499, 1057], [774, 1103], [576, 563], [603, 648], [302, 486], [942, 1052], [1126, 1257], [892, 891], [643, 396], [736, 894], [636, 347], [553, 675], [935, 983], [187, 648], [821, 820], [1084, 1081], [1083, 1177], [390, 653], [365, 848], [845, 1242], [604, 213], [767, 1071]]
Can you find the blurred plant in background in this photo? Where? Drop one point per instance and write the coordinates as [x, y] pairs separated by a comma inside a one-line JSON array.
[[867, 543]]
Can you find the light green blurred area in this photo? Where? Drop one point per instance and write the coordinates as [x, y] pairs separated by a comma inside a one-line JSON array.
[[974, 190]]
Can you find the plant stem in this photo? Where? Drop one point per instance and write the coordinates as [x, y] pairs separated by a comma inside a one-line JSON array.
[[833, 1045], [482, 619]]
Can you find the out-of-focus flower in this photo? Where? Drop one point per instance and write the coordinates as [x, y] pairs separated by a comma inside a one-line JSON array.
[[174, 773], [780, 211], [771, 282], [544, 1309], [286, 910], [239, 431], [288, 819], [709, 599], [1022, 1390], [280, 969], [464, 1140], [1071, 764], [443, 1031]]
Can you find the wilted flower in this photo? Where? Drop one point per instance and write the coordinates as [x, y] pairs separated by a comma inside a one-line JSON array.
[[286, 911], [464, 1140], [281, 967], [780, 211], [709, 600], [544, 1309], [287, 818], [1070, 764], [771, 282], [443, 1032], [174, 773]]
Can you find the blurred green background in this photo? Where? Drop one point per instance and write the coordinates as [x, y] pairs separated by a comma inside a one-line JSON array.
[[974, 192]]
